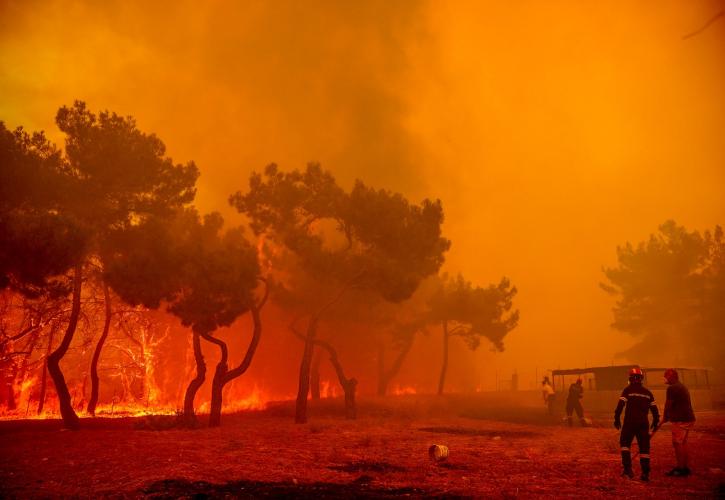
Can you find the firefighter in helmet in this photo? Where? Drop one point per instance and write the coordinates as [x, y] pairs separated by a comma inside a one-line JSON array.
[[637, 401], [574, 402]]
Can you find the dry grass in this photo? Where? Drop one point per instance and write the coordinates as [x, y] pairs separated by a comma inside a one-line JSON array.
[[383, 454]]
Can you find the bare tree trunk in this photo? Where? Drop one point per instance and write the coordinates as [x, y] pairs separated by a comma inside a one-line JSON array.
[[223, 376], [217, 384], [70, 419], [304, 385], [442, 380], [196, 383], [315, 377], [349, 386], [187, 372], [350, 407], [97, 353], [387, 376]]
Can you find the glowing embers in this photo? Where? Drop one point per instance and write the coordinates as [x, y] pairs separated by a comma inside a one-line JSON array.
[[399, 390], [329, 389], [255, 400]]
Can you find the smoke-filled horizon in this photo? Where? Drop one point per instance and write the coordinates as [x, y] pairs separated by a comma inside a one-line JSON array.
[[552, 132]]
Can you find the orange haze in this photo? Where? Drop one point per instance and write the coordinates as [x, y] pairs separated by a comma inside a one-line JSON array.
[[552, 131]]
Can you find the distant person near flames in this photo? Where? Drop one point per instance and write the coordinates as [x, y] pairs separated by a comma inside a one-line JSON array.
[[638, 401], [574, 402], [678, 411], [547, 391]]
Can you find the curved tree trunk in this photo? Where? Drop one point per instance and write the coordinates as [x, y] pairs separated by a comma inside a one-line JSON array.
[[223, 376], [349, 385], [442, 380], [97, 353], [196, 382], [304, 384], [70, 419]]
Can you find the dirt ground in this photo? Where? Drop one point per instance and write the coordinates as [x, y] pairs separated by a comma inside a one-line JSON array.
[[494, 453]]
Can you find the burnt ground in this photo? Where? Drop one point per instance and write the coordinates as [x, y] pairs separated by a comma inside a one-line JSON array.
[[384, 454]]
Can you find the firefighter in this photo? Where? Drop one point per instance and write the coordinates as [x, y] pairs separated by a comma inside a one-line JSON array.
[[678, 410], [638, 401], [574, 403]]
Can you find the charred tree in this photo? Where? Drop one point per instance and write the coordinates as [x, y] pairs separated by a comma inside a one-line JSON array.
[[304, 380], [349, 385], [305, 366], [385, 376], [382, 244], [93, 401], [472, 313], [222, 374], [196, 383], [70, 419]]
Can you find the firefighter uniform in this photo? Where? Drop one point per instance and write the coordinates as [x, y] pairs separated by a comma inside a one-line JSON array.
[[637, 401], [574, 404]]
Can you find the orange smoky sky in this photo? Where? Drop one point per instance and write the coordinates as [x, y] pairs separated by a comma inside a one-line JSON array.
[[551, 130]]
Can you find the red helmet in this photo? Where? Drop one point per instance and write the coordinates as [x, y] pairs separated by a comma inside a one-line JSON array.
[[635, 374], [671, 375]]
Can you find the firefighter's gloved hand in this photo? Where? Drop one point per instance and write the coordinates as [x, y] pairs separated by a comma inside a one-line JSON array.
[[617, 424], [654, 425]]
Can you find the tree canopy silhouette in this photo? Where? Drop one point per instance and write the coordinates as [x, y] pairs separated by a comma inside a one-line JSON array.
[[206, 277], [112, 177], [364, 239], [472, 313], [38, 241], [670, 293]]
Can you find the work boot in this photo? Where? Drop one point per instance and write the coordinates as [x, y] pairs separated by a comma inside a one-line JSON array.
[[644, 466], [627, 463]]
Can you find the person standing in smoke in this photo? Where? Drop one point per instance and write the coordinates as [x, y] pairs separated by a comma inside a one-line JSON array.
[[638, 401], [678, 410], [574, 402], [547, 392]]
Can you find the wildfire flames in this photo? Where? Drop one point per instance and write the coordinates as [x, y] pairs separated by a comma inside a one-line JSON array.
[[403, 390]]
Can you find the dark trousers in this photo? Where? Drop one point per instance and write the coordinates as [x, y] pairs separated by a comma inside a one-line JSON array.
[[574, 406], [639, 431]]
